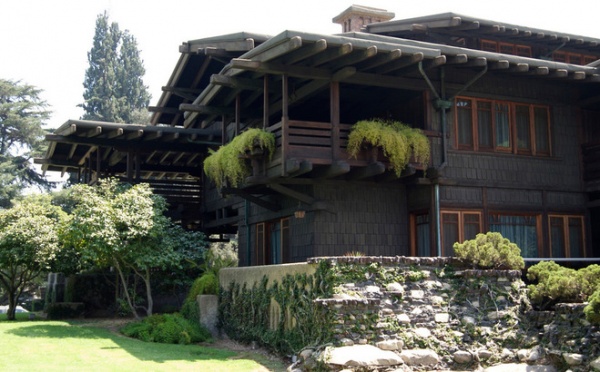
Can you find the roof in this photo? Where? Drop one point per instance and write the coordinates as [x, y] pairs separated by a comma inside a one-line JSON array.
[[461, 25]]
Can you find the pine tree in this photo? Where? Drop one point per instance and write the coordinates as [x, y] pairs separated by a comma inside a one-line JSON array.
[[114, 90], [22, 113]]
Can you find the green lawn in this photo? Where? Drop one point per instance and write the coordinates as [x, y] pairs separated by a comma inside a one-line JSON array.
[[78, 346]]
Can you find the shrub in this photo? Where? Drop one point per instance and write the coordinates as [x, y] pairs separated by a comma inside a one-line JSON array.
[[206, 284], [168, 329], [490, 251], [65, 310], [556, 283], [592, 310]]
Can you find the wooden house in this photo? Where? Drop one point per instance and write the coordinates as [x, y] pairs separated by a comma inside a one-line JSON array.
[[512, 114]]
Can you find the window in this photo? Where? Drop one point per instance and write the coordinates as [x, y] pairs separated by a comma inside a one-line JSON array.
[[523, 230], [506, 48], [574, 58], [489, 125], [566, 236], [421, 235], [458, 226], [272, 242]]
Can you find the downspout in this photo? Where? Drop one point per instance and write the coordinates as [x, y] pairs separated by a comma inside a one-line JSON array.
[[443, 104], [248, 237]]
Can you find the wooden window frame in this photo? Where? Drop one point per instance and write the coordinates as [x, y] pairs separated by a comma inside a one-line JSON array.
[[538, 225], [413, 231], [565, 226], [569, 57], [460, 222], [512, 127], [505, 48]]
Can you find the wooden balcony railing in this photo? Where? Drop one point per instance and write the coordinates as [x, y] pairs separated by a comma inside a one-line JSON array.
[[591, 162], [319, 143]]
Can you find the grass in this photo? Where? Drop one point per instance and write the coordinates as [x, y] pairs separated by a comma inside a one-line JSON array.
[[78, 346]]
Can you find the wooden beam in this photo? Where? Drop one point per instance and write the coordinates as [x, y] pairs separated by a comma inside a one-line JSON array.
[[371, 170], [336, 169], [210, 110], [520, 67], [251, 198], [296, 167], [280, 69], [306, 199], [353, 58], [330, 54], [306, 52], [399, 64], [499, 65], [380, 59], [163, 110], [185, 93], [236, 82]]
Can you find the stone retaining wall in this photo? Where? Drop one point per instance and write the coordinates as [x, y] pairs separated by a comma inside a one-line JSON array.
[[434, 314]]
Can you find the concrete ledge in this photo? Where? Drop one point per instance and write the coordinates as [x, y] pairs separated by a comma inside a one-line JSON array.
[[253, 274]]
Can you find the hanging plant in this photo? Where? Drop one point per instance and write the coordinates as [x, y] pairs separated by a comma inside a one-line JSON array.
[[398, 141], [228, 163]]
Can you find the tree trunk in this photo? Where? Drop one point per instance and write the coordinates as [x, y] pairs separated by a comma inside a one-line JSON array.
[[127, 297], [12, 305], [148, 293]]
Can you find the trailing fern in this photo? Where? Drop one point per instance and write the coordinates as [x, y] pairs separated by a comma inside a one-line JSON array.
[[398, 141], [228, 163]]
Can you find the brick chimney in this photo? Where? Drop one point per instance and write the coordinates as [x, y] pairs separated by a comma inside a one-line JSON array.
[[355, 17]]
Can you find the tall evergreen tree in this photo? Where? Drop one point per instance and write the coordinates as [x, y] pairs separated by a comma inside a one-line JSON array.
[[22, 114], [114, 89]]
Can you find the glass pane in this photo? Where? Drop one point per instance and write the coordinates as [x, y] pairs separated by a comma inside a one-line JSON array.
[[575, 237], [450, 236], [472, 225], [502, 125], [557, 237], [520, 230], [542, 141], [484, 124], [465, 123], [523, 128], [423, 242]]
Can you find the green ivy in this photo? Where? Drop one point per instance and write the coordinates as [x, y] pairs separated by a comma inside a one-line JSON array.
[[244, 312]]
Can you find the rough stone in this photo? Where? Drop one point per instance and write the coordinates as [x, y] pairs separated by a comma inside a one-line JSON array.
[[361, 356], [422, 332], [462, 357], [395, 287], [442, 318], [573, 359], [468, 320], [403, 318], [306, 353], [520, 367], [523, 354], [390, 345], [417, 294], [595, 364], [420, 357], [536, 354], [372, 289], [484, 354], [346, 342], [495, 315]]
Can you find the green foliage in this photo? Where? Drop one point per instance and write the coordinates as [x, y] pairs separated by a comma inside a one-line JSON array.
[[592, 309], [490, 251], [22, 115], [398, 141], [244, 312], [123, 226], [228, 163], [64, 310], [555, 283], [167, 329], [114, 90], [28, 243]]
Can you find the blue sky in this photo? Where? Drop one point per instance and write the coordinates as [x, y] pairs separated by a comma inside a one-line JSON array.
[[45, 42]]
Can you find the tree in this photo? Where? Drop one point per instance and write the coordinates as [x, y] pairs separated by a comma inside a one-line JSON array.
[[114, 89], [123, 226], [28, 244], [22, 115]]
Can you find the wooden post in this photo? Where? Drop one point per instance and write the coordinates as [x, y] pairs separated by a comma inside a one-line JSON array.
[[138, 165], [284, 122], [237, 114], [266, 101], [129, 166], [98, 163], [223, 130], [334, 113]]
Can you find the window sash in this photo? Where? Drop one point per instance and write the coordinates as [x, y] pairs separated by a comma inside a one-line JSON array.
[[523, 230], [566, 236], [458, 226], [488, 125]]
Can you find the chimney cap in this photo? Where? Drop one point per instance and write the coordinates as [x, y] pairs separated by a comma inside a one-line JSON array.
[[361, 10]]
